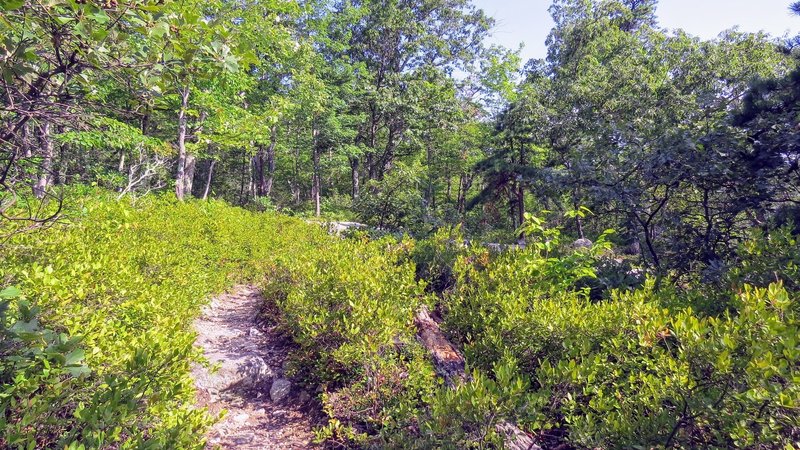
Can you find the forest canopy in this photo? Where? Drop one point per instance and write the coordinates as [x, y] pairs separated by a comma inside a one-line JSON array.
[[399, 115]]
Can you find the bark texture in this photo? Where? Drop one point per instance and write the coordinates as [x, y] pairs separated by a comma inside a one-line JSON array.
[[180, 176], [450, 364], [46, 169]]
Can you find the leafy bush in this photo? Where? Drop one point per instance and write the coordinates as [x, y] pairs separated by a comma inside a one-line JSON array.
[[32, 357], [435, 258], [97, 352], [349, 305], [627, 371], [394, 201], [767, 258], [125, 282], [467, 416]]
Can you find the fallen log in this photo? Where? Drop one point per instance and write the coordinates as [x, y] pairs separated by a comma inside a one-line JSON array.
[[450, 365]]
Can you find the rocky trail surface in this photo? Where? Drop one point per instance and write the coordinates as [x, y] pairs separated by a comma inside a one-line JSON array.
[[264, 409]]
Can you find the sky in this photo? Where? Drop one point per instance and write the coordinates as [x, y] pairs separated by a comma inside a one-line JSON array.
[[528, 22]]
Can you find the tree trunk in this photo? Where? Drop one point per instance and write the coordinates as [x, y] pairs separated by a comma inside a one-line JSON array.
[[315, 177], [188, 174], [512, 204], [61, 169], [520, 203], [265, 160], [271, 163], [464, 183], [208, 179], [180, 177], [258, 171], [371, 172], [430, 202], [449, 189], [46, 170], [450, 365], [244, 172], [251, 185], [447, 360], [355, 177], [521, 186]]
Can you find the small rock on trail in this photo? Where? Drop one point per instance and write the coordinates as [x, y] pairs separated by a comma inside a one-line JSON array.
[[249, 375], [281, 388]]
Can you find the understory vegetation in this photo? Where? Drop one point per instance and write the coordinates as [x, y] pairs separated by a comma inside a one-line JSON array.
[[97, 340]]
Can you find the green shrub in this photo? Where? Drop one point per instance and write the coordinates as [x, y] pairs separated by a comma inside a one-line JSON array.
[[98, 351], [435, 258], [467, 415], [628, 372], [767, 258], [126, 281], [349, 306]]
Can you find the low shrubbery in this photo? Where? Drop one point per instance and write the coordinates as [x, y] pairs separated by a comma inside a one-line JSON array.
[[101, 357], [96, 338], [349, 305], [646, 367]]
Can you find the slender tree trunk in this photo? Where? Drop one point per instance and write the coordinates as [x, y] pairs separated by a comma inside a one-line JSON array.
[[265, 160], [146, 122], [27, 154], [258, 171], [271, 163], [61, 170], [294, 185], [355, 177], [512, 204], [315, 178], [208, 179], [244, 171], [46, 174], [373, 143], [449, 191], [371, 169], [188, 174], [386, 160], [251, 185], [430, 202], [121, 167], [180, 177], [520, 203], [27, 147], [463, 186]]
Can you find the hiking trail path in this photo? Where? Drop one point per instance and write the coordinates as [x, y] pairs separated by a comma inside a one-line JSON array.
[[265, 410]]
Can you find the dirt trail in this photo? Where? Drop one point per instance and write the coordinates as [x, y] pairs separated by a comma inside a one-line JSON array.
[[265, 411]]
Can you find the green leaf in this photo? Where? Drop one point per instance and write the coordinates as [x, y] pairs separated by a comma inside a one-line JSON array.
[[100, 17], [10, 292], [63, 20], [26, 330], [10, 5], [160, 29], [74, 357]]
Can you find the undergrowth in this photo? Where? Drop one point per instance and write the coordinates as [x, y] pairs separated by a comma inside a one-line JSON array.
[[96, 313]]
